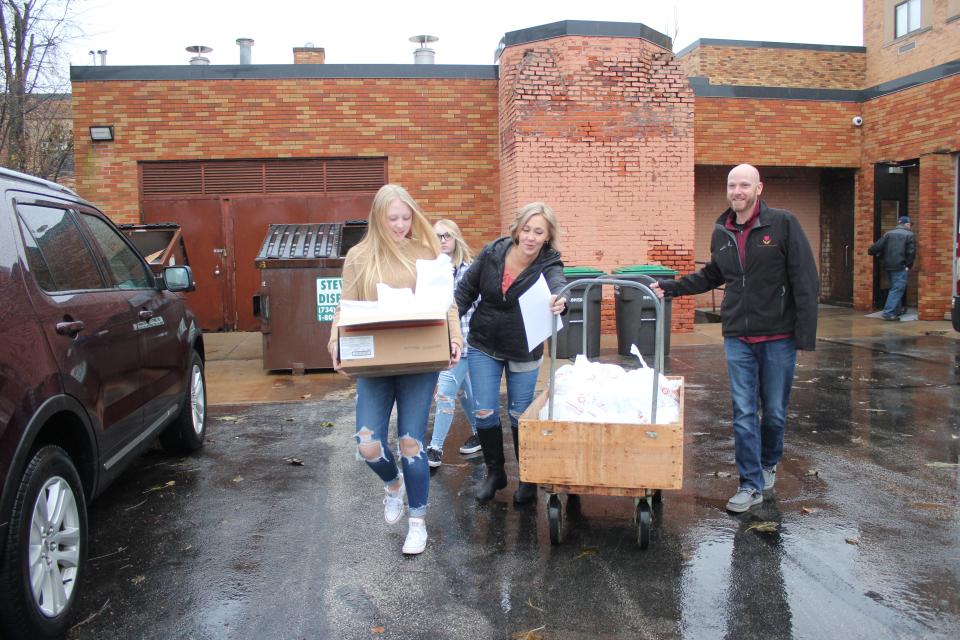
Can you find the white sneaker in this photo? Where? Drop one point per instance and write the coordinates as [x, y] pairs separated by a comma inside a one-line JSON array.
[[769, 477], [393, 503], [416, 540]]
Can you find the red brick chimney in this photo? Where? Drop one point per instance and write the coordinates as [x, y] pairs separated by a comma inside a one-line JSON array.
[[308, 55], [601, 129]]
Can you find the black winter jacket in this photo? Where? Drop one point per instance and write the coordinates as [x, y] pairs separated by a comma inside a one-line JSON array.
[[775, 292], [897, 247], [497, 326]]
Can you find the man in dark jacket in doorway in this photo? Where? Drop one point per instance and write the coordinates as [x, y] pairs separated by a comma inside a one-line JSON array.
[[769, 310], [898, 249]]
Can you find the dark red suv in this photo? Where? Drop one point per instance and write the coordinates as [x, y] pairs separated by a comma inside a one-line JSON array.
[[98, 357]]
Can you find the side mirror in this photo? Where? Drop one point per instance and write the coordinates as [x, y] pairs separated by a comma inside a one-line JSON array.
[[178, 278]]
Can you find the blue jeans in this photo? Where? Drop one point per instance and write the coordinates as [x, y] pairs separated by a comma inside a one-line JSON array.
[[449, 386], [485, 375], [898, 284], [375, 400], [761, 376]]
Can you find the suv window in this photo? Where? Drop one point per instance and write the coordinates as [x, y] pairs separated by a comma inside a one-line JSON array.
[[56, 252], [128, 270]]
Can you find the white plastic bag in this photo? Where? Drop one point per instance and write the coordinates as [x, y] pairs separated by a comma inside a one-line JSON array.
[[595, 392]]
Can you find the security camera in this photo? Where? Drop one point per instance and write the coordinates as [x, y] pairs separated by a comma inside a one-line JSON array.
[[857, 121]]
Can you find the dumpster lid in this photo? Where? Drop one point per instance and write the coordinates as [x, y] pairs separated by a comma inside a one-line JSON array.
[[301, 241], [582, 271], [646, 269]]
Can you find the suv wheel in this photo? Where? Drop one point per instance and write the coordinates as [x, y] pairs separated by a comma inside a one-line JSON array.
[[46, 548], [186, 432]]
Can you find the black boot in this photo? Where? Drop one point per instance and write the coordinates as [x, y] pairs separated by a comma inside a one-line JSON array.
[[526, 491], [491, 440]]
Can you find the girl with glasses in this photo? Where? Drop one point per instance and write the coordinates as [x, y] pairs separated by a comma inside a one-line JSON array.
[[455, 382]]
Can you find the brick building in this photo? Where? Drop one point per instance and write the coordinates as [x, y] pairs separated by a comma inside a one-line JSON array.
[[629, 142]]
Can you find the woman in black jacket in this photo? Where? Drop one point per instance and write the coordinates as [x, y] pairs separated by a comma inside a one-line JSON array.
[[504, 270]]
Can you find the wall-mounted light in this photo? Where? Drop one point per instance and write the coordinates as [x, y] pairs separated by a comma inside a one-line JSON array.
[[102, 133]]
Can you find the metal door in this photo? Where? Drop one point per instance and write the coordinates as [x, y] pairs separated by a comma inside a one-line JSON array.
[[247, 219], [836, 206], [201, 221]]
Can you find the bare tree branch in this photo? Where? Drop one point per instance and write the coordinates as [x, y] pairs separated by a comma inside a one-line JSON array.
[[35, 120]]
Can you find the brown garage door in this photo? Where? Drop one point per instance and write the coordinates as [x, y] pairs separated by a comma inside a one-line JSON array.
[[224, 208]]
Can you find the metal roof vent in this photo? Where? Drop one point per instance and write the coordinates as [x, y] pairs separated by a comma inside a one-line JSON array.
[[245, 53], [423, 55], [198, 50]]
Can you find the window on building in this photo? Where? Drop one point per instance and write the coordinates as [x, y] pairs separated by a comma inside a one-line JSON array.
[[906, 17]]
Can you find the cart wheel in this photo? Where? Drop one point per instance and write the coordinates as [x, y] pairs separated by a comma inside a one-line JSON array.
[[657, 496], [644, 522], [555, 517]]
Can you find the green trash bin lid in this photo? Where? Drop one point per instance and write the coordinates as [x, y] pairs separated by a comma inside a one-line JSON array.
[[646, 269], [582, 272]]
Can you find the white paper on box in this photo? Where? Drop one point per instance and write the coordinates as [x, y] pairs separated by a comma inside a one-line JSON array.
[[356, 347], [434, 284]]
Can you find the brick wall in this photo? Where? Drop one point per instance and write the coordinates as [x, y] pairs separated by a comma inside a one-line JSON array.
[[910, 125], [601, 129], [935, 236], [439, 135], [775, 67], [797, 133], [936, 42]]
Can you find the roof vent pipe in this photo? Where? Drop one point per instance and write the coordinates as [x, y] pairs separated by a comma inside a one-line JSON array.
[[103, 57], [423, 55], [198, 50], [245, 44]]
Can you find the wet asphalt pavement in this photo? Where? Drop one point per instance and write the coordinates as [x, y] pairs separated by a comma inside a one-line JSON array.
[[236, 542]]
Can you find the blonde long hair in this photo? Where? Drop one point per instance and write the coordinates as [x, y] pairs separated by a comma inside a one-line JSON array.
[[379, 252], [461, 250]]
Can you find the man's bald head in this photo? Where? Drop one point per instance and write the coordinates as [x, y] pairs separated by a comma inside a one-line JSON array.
[[745, 170], [743, 190]]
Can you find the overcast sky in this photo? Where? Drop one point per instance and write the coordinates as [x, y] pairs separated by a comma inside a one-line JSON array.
[[151, 32]]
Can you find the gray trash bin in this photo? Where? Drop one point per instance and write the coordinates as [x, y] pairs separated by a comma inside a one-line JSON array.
[[635, 312], [570, 337]]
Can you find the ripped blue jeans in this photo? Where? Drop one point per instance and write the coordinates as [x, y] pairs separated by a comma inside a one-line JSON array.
[[453, 383], [376, 397], [485, 376]]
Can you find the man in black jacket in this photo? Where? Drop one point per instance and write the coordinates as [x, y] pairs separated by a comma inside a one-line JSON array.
[[769, 310], [898, 249]]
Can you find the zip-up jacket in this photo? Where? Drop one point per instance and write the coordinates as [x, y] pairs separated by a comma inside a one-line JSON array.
[[776, 289], [497, 325], [897, 247]]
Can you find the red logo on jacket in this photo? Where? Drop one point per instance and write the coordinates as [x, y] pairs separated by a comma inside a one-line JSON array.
[[766, 240]]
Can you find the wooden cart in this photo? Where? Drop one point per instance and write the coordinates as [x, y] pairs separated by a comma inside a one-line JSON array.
[[608, 459]]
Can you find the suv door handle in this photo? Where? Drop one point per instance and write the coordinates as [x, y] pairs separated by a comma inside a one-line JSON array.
[[70, 328], [146, 315]]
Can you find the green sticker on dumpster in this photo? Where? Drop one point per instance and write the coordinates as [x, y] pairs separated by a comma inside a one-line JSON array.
[[328, 297]]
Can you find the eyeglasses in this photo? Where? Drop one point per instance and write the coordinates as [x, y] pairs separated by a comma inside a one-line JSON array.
[[443, 237]]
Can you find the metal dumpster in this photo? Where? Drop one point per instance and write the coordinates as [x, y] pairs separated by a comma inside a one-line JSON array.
[[301, 268], [161, 244]]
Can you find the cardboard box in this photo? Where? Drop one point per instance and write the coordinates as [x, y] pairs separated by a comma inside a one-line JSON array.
[[387, 343]]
